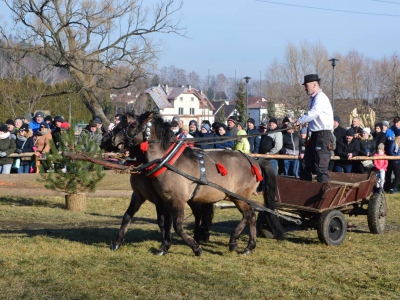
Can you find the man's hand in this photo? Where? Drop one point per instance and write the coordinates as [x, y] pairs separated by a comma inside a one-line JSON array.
[[19, 151], [2, 154]]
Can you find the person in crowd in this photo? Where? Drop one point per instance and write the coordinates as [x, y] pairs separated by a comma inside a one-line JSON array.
[[320, 115], [346, 149], [118, 118], [186, 134], [49, 120], [390, 136], [11, 128], [205, 122], [285, 122], [385, 126], [27, 118], [266, 142], [355, 124], [242, 144], [18, 123], [380, 167], [193, 130], [291, 146], [37, 120], [277, 142], [222, 131], [180, 122], [240, 126], [379, 136], [7, 146], [254, 140], [99, 125], [231, 125], [205, 132], [338, 130], [60, 127], [175, 127], [90, 132], [367, 148], [394, 150], [214, 128], [303, 142], [24, 143], [41, 140]]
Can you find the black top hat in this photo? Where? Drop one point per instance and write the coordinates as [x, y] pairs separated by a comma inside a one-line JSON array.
[[311, 78]]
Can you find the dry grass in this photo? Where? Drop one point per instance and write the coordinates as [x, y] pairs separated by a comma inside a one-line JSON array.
[[50, 253]]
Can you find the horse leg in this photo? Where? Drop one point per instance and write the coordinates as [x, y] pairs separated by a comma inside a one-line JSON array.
[[164, 220], [207, 215], [197, 213], [248, 218], [134, 206], [178, 211]]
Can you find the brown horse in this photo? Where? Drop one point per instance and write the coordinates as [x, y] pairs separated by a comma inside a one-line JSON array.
[[178, 178], [143, 189]]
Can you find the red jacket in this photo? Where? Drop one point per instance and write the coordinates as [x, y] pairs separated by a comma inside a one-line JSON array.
[[380, 164]]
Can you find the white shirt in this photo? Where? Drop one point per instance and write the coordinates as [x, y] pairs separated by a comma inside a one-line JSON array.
[[320, 114]]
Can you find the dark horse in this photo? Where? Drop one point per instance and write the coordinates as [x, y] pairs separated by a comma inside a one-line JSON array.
[[156, 138], [143, 189]]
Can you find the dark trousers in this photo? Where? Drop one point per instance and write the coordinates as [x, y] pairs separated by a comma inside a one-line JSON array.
[[388, 176], [396, 180], [317, 156]]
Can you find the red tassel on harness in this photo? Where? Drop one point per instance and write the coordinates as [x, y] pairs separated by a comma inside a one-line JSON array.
[[144, 146], [255, 171], [221, 169]]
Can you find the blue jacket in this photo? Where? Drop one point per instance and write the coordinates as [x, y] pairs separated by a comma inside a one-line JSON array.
[[393, 151], [204, 145], [224, 145], [254, 141]]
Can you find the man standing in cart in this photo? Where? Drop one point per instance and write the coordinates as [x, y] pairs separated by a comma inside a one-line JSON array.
[[320, 117]]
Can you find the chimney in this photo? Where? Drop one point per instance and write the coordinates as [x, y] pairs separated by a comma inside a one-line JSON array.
[[166, 88], [189, 87]]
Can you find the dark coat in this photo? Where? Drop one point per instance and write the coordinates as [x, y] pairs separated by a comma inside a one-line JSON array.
[[291, 143], [7, 145], [25, 147], [379, 137], [254, 141], [367, 144], [204, 145], [266, 144], [342, 148], [339, 132], [224, 145]]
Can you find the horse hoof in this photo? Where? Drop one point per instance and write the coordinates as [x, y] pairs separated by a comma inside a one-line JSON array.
[[115, 246], [232, 247], [198, 252], [247, 252], [160, 253]]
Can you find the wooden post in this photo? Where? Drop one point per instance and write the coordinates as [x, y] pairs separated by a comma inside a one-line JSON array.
[[75, 202]]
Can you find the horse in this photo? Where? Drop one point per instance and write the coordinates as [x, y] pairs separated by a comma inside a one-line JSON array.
[[142, 187], [181, 173]]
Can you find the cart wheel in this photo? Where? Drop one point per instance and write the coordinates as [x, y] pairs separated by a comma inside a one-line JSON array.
[[332, 228], [377, 211], [262, 226]]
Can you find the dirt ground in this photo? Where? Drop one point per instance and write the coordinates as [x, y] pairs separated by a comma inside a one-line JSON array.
[[113, 185]]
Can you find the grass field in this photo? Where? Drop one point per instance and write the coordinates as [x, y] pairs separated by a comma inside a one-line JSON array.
[[51, 253]]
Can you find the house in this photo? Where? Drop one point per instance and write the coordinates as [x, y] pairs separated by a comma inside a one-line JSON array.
[[257, 107], [223, 110], [185, 102]]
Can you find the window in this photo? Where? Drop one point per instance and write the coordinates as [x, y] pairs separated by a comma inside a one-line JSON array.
[[192, 98], [180, 111], [181, 98], [192, 111]]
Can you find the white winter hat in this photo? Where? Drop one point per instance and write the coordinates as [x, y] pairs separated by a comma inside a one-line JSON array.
[[367, 130]]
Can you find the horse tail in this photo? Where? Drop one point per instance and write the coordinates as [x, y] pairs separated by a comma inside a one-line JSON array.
[[272, 221]]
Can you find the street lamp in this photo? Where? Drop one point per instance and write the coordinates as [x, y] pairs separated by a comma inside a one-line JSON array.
[[247, 79], [333, 60]]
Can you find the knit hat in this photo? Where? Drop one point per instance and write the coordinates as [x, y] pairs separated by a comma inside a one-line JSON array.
[[98, 120], [3, 128], [206, 127], [273, 120], [193, 122], [44, 124], [185, 127], [350, 132], [92, 123], [381, 146], [10, 122], [337, 119], [176, 118], [241, 124], [386, 123], [285, 120], [174, 123], [233, 119], [23, 127], [59, 119], [303, 130], [367, 130], [48, 118], [39, 114], [263, 125], [223, 126], [251, 120], [27, 116]]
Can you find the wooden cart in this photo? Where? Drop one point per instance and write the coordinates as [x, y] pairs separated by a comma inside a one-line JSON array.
[[323, 207]]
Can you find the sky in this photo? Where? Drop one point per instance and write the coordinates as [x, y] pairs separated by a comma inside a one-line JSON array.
[[243, 37], [228, 36]]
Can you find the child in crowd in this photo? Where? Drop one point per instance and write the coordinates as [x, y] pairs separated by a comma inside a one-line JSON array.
[[380, 167]]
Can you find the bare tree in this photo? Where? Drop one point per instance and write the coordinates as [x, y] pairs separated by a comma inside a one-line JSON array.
[[90, 39]]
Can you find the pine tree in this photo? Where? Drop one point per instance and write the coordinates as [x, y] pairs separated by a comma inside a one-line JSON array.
[[240, 106], [71, 176]]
